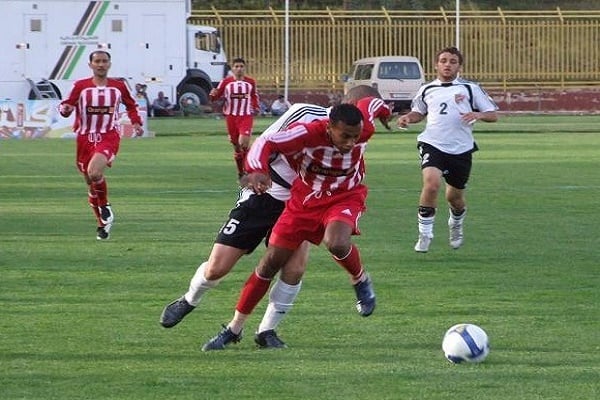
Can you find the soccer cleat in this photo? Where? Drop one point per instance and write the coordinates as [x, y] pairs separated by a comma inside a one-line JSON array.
[[456, 233], [175, 311], [269, 340], [103, 232], [106, 214], [222, 339], [422, 245], [365, 297]]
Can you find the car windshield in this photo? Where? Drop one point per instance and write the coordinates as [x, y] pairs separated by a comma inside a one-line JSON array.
[[398, 70]]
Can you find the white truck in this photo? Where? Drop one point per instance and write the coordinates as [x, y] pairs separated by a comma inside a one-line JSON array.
[[397, 78], [45, 46]]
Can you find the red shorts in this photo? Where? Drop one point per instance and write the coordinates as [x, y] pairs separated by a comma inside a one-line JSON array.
[[88, 145], [238, 125], [306, 214]]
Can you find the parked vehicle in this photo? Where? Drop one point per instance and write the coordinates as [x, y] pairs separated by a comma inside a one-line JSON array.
[[396, 77], [48, 43]]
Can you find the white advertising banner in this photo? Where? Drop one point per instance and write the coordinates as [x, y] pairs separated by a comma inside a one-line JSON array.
[[32, 119]]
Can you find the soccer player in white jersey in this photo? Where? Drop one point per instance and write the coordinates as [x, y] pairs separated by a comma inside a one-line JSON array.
[[452, 105], [96, 101], [253, 217], [240, 105]]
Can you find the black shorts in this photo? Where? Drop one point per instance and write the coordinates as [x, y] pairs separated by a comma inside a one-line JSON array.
[[250, 221], [456, 168]]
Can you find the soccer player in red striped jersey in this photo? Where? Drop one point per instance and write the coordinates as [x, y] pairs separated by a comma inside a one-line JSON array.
[[96, 101], [240, 105], [250, 221], [326, 203]]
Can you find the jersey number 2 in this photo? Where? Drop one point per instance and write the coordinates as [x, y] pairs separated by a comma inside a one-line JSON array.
[[443, 107]]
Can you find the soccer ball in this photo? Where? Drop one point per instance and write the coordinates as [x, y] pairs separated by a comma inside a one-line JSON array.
[[465, 342]]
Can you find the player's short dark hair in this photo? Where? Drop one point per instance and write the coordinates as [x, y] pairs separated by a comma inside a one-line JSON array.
[[99, 52], [238, 60], [452, 50], [360, 92], [346, 113]]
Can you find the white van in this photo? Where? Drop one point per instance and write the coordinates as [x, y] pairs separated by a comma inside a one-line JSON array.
[[396, 77]]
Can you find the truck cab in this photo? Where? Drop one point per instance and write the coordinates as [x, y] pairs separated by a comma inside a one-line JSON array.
[[206, 67]]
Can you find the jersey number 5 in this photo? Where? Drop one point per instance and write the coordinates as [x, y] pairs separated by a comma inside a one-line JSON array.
[[230, 226]]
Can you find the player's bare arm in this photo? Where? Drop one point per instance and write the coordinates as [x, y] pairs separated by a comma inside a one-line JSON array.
[[385, 121], [474, 116], [411, 118]]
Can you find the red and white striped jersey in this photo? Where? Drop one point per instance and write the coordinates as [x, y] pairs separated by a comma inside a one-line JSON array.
[[321, 166], [371, 108], [241, 97], [97, 107]]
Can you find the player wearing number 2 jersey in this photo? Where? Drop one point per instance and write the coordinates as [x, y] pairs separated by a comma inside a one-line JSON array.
[[452, 105], [96, 102]]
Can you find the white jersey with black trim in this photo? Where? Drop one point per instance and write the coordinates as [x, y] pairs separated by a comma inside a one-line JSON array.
[[282, 175], [443, 103]]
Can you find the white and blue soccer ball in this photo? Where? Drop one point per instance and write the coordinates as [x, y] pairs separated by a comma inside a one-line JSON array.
[[465, 343]]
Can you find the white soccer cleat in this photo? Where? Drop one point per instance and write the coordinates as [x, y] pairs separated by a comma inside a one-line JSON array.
[[456, 233], [423, 243]]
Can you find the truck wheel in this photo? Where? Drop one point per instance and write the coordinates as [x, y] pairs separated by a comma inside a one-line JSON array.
[[191, 99]]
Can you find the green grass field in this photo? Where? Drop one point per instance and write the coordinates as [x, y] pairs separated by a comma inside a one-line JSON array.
[[79, 318]]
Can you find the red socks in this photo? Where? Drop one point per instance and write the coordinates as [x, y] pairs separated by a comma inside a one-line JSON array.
[[351, 263], [240, 158], [101, 191], [93, 200], [253, 291]]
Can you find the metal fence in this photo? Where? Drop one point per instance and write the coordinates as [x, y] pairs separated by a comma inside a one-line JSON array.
[[503, 49]]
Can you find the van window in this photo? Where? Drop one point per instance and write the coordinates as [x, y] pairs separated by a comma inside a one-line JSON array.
[[363, 72], [399, 70]]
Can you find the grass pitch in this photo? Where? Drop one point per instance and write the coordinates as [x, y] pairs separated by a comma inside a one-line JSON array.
[[79, 318]]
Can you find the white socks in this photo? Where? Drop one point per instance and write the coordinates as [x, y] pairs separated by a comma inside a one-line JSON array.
[[426, 225], [199, 285], [457, 220], [281, 300]]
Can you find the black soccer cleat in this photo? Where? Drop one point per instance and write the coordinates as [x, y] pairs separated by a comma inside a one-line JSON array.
[[365, 297], [175, 312], [107, 216], [103, 232], [223, 338], [269, 340]]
